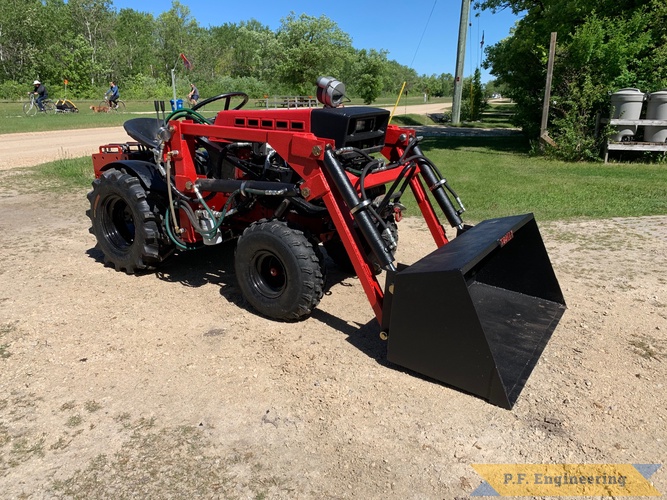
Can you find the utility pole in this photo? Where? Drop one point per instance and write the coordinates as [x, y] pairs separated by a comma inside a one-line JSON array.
[[460, 59]]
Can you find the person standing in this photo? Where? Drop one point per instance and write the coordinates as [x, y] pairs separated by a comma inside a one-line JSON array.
[[193, 96], [41, 93], [113, 93]]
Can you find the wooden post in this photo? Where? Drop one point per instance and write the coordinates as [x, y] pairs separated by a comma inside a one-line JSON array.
[[544, 135]]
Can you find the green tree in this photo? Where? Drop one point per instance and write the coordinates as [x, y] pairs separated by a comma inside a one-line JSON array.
[[92, 20], [367, 76], [445, 86], [472, 99], [252, 50], [396, 75], [132, 50], [88, 43], [176, 32], [310, 47], [22, 40], [76, 65], [493, 87]]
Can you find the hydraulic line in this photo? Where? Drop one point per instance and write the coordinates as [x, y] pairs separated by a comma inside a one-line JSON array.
[[358, 208], [218, 220], [179, 244], [435, 182], [264, 188], [371, 208], [407, 173], [170, 197], [185, 112]]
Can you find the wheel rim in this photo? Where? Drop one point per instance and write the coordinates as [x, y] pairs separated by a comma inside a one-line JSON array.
[[118, 223], [268, 275]]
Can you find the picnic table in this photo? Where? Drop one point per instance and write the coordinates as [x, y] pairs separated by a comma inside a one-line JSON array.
[[287, 102]]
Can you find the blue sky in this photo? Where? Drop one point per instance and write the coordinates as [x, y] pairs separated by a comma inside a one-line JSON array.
[[395, 26]]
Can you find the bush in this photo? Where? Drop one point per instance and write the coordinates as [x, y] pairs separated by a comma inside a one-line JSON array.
[[144, 87], [250, 85], [11, 89]]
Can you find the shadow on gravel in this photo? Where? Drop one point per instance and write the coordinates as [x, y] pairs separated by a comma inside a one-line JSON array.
[[213, 265], [365, 337]]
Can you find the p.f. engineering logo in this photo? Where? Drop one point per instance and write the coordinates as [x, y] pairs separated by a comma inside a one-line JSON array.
[[566, 480]]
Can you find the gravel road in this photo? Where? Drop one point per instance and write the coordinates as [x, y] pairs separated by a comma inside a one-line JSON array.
[[31, 148]]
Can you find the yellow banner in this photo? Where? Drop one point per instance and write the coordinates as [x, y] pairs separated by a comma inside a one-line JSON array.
[[564, 480]]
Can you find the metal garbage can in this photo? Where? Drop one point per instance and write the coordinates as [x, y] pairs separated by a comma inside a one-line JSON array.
[[626, 104], [656, 109]]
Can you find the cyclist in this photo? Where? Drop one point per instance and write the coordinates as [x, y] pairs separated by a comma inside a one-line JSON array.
[[41, 93], [193, 96], [113, 94]]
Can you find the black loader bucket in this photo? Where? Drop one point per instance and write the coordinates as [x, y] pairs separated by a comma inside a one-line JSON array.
[[478, 312]]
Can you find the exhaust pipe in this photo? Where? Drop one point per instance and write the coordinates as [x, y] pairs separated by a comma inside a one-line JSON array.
[[476, 313]]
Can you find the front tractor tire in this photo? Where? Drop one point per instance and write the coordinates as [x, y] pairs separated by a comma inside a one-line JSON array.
[[125, 223], [279, 270]]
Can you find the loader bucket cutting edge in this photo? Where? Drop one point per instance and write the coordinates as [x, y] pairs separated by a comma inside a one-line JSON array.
[[476, 313]]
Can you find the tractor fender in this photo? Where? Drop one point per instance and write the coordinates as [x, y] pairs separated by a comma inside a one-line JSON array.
[[145, 171]]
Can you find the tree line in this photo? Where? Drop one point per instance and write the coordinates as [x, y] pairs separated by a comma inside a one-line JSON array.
[[89, 43]]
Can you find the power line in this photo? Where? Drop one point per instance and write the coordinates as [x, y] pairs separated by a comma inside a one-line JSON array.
[[423, 33]]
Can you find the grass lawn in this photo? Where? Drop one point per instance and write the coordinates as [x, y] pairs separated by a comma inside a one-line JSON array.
[[12, 118], [495, 176]]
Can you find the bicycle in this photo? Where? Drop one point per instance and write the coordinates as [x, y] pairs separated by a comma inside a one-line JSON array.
[[118, 108], [31, 108]]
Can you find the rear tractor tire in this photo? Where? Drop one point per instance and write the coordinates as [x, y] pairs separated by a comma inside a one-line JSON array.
[[126, 224], [279, 270]]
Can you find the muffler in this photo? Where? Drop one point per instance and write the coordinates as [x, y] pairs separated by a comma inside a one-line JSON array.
[[476, 313]]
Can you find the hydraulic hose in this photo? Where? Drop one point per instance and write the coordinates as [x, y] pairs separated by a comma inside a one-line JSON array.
[[358, 208], [429, 173], [264, 188], [185, 112]]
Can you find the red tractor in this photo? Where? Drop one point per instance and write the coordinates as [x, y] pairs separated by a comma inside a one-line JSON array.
[[285, 183]]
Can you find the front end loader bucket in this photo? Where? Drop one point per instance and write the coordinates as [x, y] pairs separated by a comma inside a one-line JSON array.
[[478, 312]]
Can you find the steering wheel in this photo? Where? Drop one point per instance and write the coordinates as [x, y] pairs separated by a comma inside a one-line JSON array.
[[227, 97]]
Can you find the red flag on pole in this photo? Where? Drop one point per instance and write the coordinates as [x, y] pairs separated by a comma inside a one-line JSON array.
[[186, 63]]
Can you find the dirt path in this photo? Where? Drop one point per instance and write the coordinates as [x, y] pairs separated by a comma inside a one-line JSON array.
[[32, 148], [167, 385], [421, 109]]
